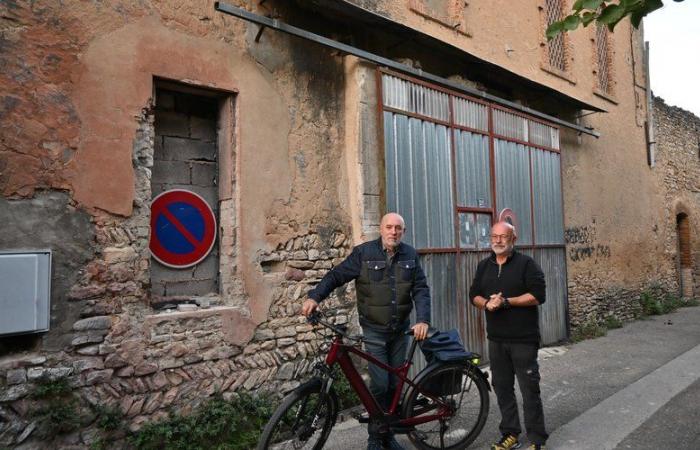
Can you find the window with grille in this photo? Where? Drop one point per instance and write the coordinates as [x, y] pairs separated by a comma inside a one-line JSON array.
[[603, 59], [556, 47]]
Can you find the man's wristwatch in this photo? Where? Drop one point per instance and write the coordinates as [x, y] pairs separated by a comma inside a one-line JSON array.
[[506, 303]]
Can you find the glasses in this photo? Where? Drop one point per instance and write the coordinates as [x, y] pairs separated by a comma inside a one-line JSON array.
[[500, 237]]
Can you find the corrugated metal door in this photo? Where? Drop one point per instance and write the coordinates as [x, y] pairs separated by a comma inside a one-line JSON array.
[[447, 158]]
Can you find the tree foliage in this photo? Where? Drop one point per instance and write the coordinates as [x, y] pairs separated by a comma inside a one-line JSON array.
[[608, 13]]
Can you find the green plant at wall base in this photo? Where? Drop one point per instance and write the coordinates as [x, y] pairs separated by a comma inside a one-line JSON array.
[[47, 388], [588, 330], [58, 411], [655, 302], [109, 418], [217, 424], [612, 322], [58, 417]]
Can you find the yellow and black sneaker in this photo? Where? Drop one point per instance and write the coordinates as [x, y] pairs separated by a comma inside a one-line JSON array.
[[507, 442], [536, 447]]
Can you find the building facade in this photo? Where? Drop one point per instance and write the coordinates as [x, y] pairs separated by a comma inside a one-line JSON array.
[[447, 112]]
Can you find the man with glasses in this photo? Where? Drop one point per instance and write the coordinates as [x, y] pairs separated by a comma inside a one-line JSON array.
[[509, 286]]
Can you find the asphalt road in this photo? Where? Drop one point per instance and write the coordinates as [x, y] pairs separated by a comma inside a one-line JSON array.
[[639, 366]]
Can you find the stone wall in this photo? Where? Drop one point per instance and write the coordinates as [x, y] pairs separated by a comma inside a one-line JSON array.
[[677, 168]]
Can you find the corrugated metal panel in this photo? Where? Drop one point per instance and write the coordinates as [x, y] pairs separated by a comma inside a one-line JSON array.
[[513, 184], [554, 312], [510, 125], [414, 98], [544, 135], [549, 226], [419, 179], [473, 175], [474, 334], [471, 114], [440, 270]]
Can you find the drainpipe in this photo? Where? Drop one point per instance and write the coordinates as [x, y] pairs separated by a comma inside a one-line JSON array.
[[651, 138]]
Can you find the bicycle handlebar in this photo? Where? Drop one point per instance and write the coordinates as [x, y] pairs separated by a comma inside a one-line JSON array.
[[315, 318]]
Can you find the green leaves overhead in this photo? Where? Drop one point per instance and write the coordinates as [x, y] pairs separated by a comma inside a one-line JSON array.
[[604, 12]]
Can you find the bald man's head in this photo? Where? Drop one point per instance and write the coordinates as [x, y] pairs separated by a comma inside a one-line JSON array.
[[391, 229], [503, 238]]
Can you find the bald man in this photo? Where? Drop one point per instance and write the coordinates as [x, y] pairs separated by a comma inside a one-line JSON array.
[[510, 286], [388, 282]]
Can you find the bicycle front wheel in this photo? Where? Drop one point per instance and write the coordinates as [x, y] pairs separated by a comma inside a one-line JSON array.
[[302, 421], [464, 391]]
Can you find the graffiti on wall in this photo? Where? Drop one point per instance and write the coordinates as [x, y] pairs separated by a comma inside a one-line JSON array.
[[581, 244]]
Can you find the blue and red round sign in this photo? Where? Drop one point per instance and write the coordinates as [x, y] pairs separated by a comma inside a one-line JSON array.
[[183, 228]]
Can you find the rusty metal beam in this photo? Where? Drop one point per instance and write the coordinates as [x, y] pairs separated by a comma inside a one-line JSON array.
[[382, 61]]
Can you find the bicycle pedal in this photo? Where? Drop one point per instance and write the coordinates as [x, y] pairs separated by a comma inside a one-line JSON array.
[[362, 417]]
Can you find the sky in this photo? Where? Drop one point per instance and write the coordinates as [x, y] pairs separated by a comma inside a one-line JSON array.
[[673, 33]]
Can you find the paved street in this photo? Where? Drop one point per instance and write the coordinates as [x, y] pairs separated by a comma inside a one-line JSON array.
[[638, 387]]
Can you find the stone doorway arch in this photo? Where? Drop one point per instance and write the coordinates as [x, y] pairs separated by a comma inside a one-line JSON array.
[[685, 254]]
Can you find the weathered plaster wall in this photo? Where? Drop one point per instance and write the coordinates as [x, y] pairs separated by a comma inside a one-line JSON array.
[[49, 220], [509, 34], [83, 123]]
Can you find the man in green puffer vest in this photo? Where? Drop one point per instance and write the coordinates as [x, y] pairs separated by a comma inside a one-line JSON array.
[[388, 281]]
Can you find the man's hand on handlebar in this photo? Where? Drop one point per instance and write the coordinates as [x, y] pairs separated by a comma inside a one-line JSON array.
[[308, 306], [420, 331]]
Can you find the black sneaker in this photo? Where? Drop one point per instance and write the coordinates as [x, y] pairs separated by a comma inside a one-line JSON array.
[[507, 442]]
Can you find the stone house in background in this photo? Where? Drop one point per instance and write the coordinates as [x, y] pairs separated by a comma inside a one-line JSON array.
[[447, 112]]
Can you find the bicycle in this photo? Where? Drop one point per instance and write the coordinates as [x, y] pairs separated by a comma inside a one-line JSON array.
[[445, 406]]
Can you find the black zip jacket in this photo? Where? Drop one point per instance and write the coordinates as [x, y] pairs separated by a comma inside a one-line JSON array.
[[386, 289], [519, 275]]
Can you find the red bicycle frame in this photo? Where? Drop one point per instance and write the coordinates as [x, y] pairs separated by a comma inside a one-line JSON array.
[[340, 353]]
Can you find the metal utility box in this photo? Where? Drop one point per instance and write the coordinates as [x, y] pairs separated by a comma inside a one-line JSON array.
[[25, 291]]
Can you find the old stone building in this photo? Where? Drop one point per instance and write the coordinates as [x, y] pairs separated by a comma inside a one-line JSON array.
[[677, 169], [299, 133]]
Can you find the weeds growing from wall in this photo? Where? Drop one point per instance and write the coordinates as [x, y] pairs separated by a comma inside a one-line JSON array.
[[590, 329], [217, 424], [57, 409], [612, 322], [655, 301]]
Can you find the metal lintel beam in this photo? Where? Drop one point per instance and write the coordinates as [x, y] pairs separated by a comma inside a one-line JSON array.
[[382, 61]]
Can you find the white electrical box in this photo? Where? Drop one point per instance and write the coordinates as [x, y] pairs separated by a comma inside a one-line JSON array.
[[25, 291]]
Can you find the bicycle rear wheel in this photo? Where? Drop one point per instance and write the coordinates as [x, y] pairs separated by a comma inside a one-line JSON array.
[[458, 385], [301, 421]]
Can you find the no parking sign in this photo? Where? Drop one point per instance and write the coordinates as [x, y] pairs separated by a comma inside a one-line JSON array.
[[183, 228]]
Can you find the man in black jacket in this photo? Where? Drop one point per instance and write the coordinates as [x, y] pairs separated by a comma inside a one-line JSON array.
[[388, 281], [509, 286]]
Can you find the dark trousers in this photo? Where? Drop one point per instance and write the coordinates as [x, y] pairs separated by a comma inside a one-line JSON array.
[[510, 360], [382, 384]]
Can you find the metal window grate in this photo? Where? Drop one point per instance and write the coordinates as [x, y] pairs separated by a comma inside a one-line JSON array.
[[471, 114], [603, 58], [414, 98], [556, 47], [544, 135], [510, 125]]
